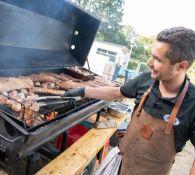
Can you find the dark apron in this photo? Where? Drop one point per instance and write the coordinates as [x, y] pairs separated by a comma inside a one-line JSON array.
[[148, 146]]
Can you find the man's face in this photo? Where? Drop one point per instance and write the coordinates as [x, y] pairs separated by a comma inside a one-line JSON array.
[[161, 67]]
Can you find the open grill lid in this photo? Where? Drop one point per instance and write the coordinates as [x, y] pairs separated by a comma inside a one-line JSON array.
[[35, 34]]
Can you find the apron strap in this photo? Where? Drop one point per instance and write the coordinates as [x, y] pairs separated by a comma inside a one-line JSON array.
[[142, 101], [176, 108]]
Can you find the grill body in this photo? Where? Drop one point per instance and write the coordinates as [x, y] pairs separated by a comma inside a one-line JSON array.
[[42, 36]]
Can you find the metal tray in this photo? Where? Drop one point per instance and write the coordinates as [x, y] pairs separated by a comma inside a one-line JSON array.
[[117, 109]]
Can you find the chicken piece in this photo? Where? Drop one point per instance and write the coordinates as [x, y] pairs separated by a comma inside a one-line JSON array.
[[10, 84], [14, 95], [51, 85], [5, 93], [3, 99], [21, 96], [16, 106], [44, 85], [24, 91], [12, 104], [34, 106], [57, 87], [27, 116], [38, 84], [30, 98]]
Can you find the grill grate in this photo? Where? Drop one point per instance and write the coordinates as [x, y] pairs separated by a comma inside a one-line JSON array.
[[29, 119]]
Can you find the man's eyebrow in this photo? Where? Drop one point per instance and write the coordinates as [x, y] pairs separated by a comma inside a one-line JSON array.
[[155, 57]]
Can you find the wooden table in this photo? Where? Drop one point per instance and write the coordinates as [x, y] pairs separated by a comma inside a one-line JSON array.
[[74, 159]]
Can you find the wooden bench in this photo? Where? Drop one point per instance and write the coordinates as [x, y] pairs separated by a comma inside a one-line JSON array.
[[74, 160]]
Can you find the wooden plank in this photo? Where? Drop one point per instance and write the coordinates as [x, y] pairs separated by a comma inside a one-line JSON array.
[[73, 160]]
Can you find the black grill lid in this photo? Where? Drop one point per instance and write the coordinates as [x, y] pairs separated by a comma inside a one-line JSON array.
[[44, 33]]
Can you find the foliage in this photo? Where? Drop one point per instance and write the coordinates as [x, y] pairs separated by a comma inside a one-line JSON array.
[[110, 12], [143, 67], [127, 36], [137, 65], [142, 48], [191, 73], [139, 52], [132, 65], [192, 68]]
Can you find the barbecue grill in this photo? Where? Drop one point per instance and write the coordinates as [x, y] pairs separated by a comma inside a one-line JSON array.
[[43, 36]]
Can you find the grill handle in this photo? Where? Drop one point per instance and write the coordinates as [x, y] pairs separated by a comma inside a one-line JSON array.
[[77, 98]]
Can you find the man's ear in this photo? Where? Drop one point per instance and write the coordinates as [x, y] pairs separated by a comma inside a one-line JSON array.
[[183, 65]]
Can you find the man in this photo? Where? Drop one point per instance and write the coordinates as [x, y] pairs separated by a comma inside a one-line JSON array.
[[164, 115], [122, 59], [119, 64]]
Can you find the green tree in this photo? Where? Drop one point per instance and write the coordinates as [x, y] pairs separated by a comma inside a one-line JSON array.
[[110, 12], [126, 36], [191, 73], [142, 48]]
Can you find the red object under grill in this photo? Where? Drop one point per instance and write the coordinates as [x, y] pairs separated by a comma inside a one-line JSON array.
[[74, 134]]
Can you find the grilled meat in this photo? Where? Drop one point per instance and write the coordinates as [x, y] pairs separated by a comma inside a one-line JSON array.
[[69, 85], [60, 77], [43, 77], [9, 84], [20, 93], [47, 77], [47, 91], [71, 78], [10, 103], [80, 71]]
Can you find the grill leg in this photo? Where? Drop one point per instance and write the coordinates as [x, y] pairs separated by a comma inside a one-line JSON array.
[[30, 165], [98, 116], [64, 141]]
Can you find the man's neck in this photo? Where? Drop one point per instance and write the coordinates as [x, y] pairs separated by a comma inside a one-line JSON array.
[[170, 88]]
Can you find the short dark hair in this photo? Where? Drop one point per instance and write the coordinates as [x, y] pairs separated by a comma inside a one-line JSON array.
[[181, 43]]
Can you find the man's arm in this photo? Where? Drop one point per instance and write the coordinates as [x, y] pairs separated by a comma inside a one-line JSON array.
[[129, 89], [103, 93]]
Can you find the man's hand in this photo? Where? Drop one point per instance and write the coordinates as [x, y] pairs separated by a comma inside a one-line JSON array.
[[102, 93], [75, 92]]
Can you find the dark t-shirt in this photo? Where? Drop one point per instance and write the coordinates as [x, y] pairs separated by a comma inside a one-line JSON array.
[[160, 107]]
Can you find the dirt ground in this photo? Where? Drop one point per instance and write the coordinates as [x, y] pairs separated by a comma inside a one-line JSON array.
[[184, 160]]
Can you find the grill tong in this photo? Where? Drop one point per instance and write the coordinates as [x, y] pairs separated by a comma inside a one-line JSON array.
[[58, 100]]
